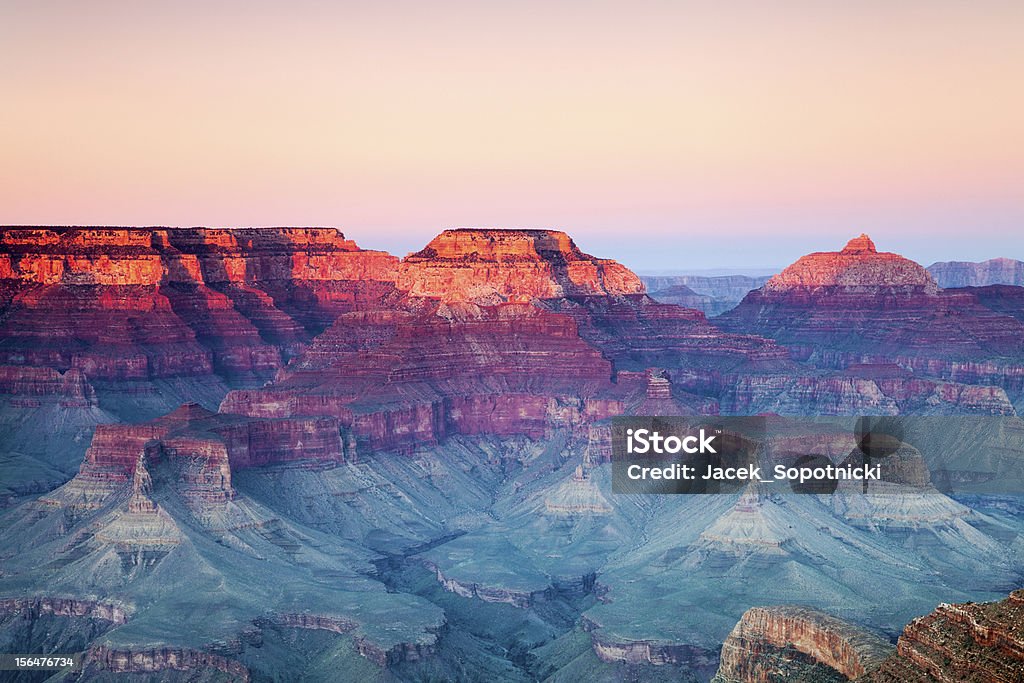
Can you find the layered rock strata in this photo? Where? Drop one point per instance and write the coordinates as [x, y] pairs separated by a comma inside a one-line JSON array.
[[102, 659], [203, 448], [127, 303], [416, 378], [797, 643], [860, 306], [27, 385], [964, 642], [487, 266], [64, 607]]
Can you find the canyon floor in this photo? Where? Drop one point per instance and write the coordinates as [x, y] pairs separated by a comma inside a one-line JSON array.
[[268, 454]]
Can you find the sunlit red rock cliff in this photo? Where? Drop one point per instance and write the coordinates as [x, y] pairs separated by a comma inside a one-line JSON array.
[[861, 307]]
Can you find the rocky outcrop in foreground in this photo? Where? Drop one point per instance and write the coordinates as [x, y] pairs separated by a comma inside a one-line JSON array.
[[966, 642], [797, 643], [977, 642]]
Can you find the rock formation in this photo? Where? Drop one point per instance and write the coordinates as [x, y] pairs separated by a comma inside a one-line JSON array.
[[1002, 299], [102, 659], [859, 267], [154, 524], [70, 607], [487, 266], [860, 306], [137, 304], [453, 408], [786, 643], [982, 642], [505, 369], [28, 383], [193, 432], [997, 271], [965, 642]]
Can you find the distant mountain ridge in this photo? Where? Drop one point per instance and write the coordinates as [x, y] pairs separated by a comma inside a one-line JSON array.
[[996, 271], [712, 294]]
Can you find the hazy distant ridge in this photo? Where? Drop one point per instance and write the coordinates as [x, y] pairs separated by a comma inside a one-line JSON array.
[[997, 271], [711, 294]]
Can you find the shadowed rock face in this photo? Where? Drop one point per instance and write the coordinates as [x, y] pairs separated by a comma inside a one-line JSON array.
[[416, 378]]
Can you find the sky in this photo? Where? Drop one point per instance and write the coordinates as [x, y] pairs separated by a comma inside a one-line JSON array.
[[672, 136]]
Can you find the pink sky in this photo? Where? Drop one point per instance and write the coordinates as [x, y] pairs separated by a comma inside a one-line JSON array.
[[665, 134]]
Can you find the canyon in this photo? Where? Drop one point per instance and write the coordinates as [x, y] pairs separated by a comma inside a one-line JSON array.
[[196, 417]]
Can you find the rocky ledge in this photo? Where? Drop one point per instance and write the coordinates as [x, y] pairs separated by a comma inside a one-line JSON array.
[[964, 642], [100, 659], [32, 608], [611, 650], [26, 385], [784, 642], [202, 449]]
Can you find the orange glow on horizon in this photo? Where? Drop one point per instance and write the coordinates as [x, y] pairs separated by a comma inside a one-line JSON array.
[[577, 114]]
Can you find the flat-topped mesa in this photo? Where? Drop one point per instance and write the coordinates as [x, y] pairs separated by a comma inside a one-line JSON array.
[[997, 271], [859, 267], [149, 303], [261, 255], [492, 265], [149, 256], [256, 239], [79, 256]]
